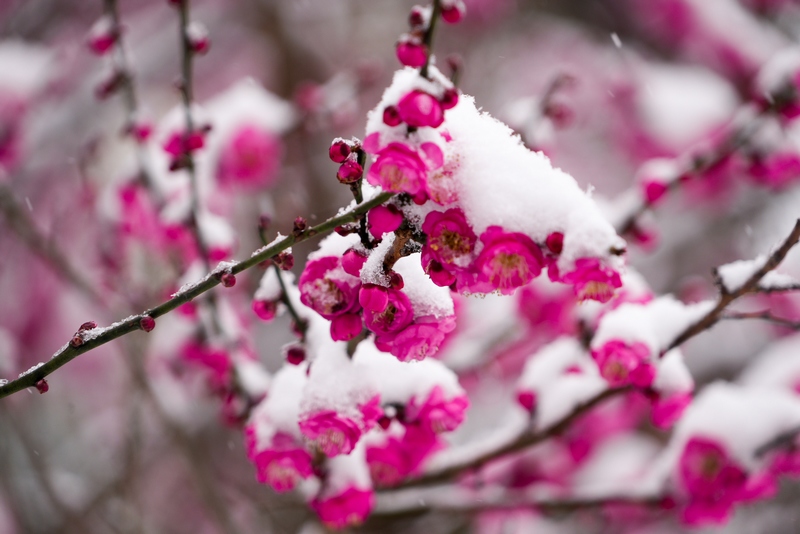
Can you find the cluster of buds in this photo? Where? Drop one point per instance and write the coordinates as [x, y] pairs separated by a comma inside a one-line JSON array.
[[349, 154], [181, 145], [411, 49]]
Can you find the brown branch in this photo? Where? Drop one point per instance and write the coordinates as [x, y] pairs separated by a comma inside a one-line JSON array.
[[764, 315], [91, 339], [523, 441], [726, 297], [427, 39]]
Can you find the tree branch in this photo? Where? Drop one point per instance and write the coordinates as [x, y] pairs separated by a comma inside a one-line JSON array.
[[91, 339], [713, 316]]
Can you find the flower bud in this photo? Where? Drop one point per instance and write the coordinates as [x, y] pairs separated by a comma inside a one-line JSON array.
[[300, 225], [339, 150], [411, 53], [42, 386], [228, 279], [88, 325], [555, 242], [449, 99], [391, 117], [284, 260], [350, 172], [416, 18], [453, 12], [197, 36], [102, 36], [147, 323], [266, 310], [295, 355]]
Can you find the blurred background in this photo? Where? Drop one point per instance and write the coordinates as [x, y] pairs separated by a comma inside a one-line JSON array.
[[131, 437]]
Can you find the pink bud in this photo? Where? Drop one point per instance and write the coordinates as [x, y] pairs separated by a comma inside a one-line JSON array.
[[88, 325], [384, 220], [439, 275], [346, 326], [391, 117], [396, 281], [339, 150], [373, 297], [654, 191], [449, 99], [228, 280], [454, 12], [411, 53], [350, 172], [102, 36], [147, 323], [140, 131], [299, 226], [419, 109], [555, 242], [384, 422], [527, 399], [42, 386], [416, 18], [197, 35], [559, 113], [284, 260], [266, 310], [76, 341], [352, 262], [295, 355]]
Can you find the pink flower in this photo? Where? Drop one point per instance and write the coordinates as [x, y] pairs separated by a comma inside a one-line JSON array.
[[399, 457], [346, 326], [332, 433], [593, 280], [282, 464], [437, 413], [528, 400], [420, 109], [217, 361], [352, 262], [450, 238], [508, 260], [327, 289], [411, 53], [250, 158], [777, 170], [397, 314], [384, 220], [348, 508], [548, 308], [622, 364], [373, 297], [667, 410], [398, 168], [712, 480], [420, 339]]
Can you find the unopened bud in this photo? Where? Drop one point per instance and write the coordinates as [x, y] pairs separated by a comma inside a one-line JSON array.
[[396, 281], [555, 242], [42, 386], [384, 422], [350, 172], [453, 12], [300, 226], [227, 279], [88, 325], [102, 36], [147, 323], [391, 117], [284, 260], [411, 53], [295, 355], [76, 341], [339, 150], [449, 99], [197, 35]]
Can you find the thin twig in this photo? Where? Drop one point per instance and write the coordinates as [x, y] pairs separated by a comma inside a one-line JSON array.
[[765, 315], [525, 440], [97, 338], [713, 316], [427, 39]]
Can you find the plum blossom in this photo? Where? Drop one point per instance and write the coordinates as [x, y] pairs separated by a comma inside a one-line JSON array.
[[282, 464]]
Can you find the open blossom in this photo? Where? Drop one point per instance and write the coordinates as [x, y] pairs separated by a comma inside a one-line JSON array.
[[712, 480], [327, 289], [282, 464], [398, 168], [621, 363], [420, 109], [348, 508], [450, 239], [250, 158], [420, 339], [437, 413], [396, 315], [400, 456], [332, 433], [593, 280], [508, 260]]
